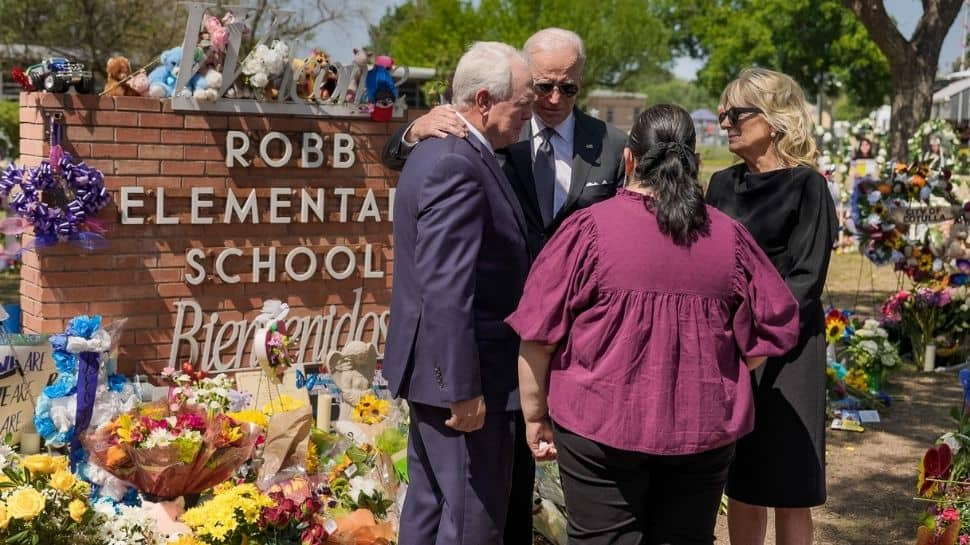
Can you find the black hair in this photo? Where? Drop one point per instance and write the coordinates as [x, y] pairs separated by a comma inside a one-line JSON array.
[[662, 141]]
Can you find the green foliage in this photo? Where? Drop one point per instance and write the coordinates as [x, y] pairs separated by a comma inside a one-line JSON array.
[[10, 127], [91, 31], [735, 34], [687, 95], [435, 33]]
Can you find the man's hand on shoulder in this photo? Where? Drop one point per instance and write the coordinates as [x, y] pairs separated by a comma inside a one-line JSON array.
[[467, 415], [438, 123]]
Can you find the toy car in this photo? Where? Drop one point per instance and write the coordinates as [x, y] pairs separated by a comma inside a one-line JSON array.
[[56, 75]]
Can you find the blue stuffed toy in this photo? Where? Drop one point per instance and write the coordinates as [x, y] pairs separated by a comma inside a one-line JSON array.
[[162, 79], [380, 84]]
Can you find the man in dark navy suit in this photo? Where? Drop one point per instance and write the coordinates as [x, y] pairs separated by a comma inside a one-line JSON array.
[[460, 263], [563, 160]]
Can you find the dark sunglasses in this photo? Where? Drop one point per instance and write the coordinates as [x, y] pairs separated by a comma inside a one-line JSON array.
[[546, 87], [733, 114]]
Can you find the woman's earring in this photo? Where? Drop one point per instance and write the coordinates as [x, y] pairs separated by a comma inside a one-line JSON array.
[[771, 135]]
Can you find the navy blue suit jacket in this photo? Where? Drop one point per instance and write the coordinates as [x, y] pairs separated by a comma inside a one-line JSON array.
[[460, 263]]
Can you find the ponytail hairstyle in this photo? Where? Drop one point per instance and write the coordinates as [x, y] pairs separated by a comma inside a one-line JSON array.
[[662, 143]]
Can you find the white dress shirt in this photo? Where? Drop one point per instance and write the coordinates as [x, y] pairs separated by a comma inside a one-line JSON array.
[[562, 147], [477, 134]]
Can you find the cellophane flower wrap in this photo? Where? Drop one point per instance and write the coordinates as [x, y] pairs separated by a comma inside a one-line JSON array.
[[182, 445]]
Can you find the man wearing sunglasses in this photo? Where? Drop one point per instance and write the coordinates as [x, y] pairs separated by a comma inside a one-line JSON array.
[[564, 160]]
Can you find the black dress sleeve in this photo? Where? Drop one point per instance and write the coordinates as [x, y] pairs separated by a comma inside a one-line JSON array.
[[810, 243]]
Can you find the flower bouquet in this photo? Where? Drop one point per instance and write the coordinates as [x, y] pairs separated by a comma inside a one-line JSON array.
[[870, 350], [167, 453], [42, 502]]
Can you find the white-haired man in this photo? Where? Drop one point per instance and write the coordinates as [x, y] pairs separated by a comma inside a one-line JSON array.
[[554, 172], [460, 263]]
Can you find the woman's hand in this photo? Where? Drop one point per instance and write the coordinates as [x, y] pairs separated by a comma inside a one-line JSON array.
[[538, 436]]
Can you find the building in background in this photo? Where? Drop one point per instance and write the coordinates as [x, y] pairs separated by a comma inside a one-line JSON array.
[[615, 107]]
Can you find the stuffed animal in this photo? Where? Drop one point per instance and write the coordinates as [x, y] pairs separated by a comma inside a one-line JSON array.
[[957, 241], [139, 83], [358, 73], [162, 79], [381, 90], [118, 83], [308, 71]]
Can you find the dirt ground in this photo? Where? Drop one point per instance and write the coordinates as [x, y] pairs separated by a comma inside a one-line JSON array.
[[871, 475]]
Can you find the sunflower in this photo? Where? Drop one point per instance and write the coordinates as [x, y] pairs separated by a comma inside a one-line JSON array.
[[834, 331]]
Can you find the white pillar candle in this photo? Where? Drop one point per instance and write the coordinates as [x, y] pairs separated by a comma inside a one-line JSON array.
[[324, 405], [929, 358]]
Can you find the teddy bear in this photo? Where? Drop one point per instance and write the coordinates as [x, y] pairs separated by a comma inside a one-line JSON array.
[[139, 83], [118, 82], [162, 79]]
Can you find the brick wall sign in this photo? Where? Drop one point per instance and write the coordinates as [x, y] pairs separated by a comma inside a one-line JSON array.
[[214, 213]]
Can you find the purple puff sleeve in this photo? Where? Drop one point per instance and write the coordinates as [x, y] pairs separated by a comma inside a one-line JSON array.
[[560, 284], [766, 320]]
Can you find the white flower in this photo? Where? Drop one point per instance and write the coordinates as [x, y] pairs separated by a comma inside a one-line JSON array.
[[873, 197], [6, 453], [159, 437], [864, 333], [873, 220], [869, 346], [360, 485], [888, 360]]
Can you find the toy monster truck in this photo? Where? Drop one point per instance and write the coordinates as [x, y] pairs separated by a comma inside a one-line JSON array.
[[56, 75]]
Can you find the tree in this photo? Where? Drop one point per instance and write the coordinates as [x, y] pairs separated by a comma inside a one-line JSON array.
[[435, 33], [912, 62], [677, 91], [832, 52], [91, 31]]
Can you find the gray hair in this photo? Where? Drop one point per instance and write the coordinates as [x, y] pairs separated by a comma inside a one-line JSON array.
[[486, 65], [555, 39]]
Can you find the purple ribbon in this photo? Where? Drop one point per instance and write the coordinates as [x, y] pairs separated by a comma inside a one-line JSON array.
[[87, 388]]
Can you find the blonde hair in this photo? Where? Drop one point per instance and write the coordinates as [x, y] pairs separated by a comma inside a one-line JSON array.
[[784, 107]]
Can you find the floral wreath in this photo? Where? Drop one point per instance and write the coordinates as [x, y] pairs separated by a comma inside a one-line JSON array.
[[936, 126], [884, 239], [59, 198]]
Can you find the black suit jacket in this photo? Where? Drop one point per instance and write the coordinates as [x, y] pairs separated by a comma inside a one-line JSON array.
[[597, 171]]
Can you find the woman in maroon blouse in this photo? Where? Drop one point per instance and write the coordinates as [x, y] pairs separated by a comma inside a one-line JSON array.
[[642, 316]]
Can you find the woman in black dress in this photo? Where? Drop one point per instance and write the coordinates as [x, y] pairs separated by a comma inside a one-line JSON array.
[[784, 202]]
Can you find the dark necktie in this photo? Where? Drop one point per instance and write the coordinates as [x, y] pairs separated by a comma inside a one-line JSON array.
[[544, 171]]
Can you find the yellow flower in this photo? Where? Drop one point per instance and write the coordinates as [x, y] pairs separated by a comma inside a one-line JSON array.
[[4, 516], [312, 462], [61, 463], [25, 503], [184, 540], [77, 508], [370, 409], [62, 480], [251, 416], [38, 463], [282, 404]]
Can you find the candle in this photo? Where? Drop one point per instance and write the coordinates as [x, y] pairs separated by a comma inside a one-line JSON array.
[[29, 442], [929, 358], [324, 403]]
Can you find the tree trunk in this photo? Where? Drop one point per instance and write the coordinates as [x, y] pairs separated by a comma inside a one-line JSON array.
[[911, 101]]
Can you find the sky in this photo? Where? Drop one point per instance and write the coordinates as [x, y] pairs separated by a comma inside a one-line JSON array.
[[339, 40]]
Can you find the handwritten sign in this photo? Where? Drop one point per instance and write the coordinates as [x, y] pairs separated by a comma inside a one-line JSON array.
[[19, 393], [915, 215]]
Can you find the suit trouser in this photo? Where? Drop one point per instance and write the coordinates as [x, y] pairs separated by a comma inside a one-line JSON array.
[[459, 482], [518, 525], [620, 497]]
